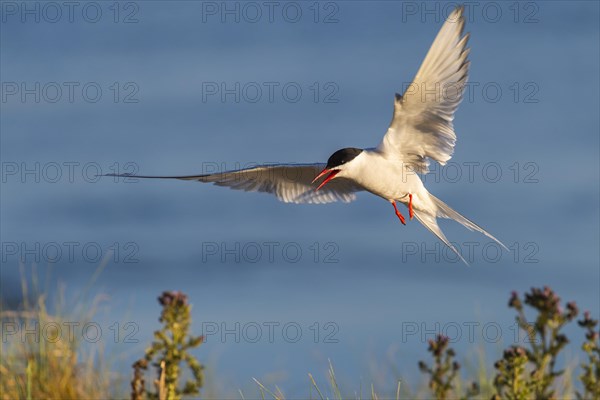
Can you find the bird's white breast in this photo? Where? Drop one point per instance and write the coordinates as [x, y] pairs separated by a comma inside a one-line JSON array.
[[388, 178]]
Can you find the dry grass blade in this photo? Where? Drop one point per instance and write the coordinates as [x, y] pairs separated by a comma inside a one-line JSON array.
[[333, 381], [262, 387], [316, 386]]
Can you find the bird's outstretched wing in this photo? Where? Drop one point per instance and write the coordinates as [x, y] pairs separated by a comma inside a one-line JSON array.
[[421, 127], [291, 183]]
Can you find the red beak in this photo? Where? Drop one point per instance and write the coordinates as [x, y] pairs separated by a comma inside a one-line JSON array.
[[332, 174]]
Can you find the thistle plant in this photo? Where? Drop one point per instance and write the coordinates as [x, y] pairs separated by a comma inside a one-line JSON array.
[[511, 382], [168, 351], [444, 370], [531, 372], [591, 368]]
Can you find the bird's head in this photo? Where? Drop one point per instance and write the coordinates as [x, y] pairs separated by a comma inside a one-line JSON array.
[[337, 164]]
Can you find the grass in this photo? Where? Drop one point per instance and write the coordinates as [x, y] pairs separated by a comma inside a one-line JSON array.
[[34, 366], [45, 361], [328, 388]]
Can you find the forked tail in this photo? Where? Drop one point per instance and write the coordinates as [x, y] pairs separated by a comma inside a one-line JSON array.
[[444, 211]]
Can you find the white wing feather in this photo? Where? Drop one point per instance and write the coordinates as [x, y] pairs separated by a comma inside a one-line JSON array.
[[422, 127], [290, 183]]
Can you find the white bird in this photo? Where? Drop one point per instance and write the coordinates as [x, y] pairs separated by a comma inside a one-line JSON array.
[[421, 129]]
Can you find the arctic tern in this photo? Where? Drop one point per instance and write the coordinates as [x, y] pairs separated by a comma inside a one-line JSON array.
[[421, 129]]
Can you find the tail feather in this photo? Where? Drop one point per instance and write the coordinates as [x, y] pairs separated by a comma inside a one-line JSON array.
[[429, 221], [445, 211]]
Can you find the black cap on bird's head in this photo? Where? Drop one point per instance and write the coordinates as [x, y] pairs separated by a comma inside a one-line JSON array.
[[335, 162], [342, 156]]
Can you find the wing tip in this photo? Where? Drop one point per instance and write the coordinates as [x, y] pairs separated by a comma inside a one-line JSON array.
[[458, 12], [457, 17]]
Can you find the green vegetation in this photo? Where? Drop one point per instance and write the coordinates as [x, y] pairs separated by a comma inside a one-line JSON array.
[[31, 368], [170, 348], [591, 368], [443, 374], [525, 373], [35, 366]]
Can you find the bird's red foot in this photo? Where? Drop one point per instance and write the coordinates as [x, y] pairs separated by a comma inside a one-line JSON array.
[[400, 216], [411, 213]]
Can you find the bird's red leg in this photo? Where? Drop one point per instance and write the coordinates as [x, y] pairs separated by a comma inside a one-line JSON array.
[[411, 213], [398, 213]]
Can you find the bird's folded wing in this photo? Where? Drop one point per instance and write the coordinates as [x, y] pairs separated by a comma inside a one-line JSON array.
[[421, 127], [291, 183]]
